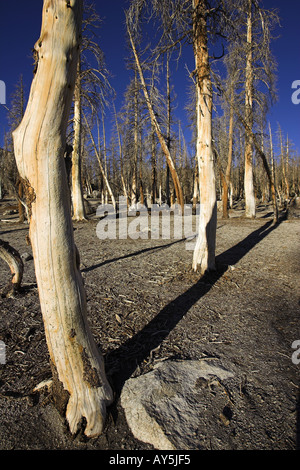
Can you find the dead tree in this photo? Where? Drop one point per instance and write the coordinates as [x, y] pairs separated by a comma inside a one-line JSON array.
[[40, 142], [204, 253], [161, 139]]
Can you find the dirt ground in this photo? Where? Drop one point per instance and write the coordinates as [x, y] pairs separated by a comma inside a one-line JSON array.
[[145, 305]]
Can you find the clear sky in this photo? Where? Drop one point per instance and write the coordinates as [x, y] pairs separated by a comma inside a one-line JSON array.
[[20, 24]]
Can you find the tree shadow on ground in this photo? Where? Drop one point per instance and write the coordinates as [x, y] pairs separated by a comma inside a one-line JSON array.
[[135, 350], [130, 255]]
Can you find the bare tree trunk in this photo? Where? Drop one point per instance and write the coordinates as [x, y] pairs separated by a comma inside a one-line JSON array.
[[15, 263], [105, 156], [287, 170], [168, 130], [162, 141], [286, 188], [153, 167], [77, 196], [40, 142], [100, 164], [121, 159], [226, 182], [135, 140], [196, 186], [248, 181], [204, 253]]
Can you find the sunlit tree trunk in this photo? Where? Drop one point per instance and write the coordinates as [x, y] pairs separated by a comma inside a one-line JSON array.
[[135, 143], [125, 192], [40, 141], [168, 130], [204, 253], [248, 180], [226, 180]]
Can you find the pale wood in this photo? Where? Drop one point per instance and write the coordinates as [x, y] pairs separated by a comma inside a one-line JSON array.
[[39, 143], [250, 209], [103, 172], [204, 253]]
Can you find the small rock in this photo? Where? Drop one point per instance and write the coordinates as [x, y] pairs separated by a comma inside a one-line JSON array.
[[26, 256]]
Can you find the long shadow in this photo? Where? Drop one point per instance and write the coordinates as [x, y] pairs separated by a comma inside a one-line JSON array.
[[134, 351], [130, 255], [5, 232]]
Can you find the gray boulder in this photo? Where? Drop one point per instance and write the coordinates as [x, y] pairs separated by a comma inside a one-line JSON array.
[[165, 407]]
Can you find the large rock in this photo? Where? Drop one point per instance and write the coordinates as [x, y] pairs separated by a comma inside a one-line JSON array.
[[165, 407]]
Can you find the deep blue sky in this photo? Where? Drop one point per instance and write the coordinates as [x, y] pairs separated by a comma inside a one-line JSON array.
[[20, 24]]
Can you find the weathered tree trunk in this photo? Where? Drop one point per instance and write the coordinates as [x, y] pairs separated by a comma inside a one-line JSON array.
[[134, 195], [105, 157], [125, 192], [168, 200], [226, 181], [161, 139], [196, 186], [100, 164], [248, 180], [40, 142], [287, 170], [153, 167], [15, 263], [204, 253], [77, 196]]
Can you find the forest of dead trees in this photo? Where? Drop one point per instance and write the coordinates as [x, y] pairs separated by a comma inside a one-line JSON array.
[[141, 150], [118, 153]]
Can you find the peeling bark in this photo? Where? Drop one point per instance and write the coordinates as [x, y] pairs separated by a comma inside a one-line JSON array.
[[40, 143]]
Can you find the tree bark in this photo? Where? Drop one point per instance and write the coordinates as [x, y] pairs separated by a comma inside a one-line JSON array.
[[204, 253], [39, 143], [248, 180]]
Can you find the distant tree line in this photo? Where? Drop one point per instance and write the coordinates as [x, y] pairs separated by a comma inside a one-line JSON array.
[[133, 161]]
